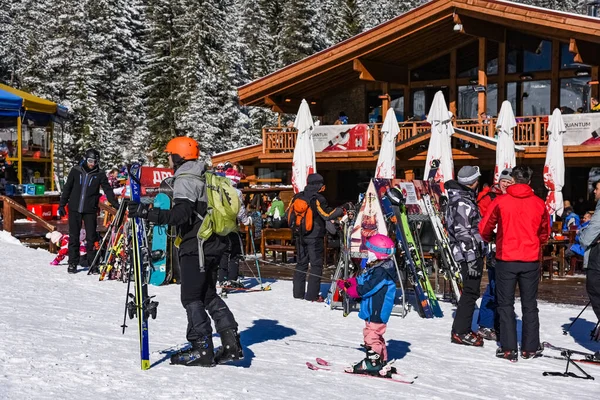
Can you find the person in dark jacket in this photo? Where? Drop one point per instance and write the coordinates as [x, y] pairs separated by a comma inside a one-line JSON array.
[[462, 219], [198, 271], [589, 238], [376, 289], [81, 193], [488, 321], [522, 223], [309, 244]]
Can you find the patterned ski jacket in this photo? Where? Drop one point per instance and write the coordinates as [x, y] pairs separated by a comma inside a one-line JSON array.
[[588, 238], [377, 289], [462, 220]]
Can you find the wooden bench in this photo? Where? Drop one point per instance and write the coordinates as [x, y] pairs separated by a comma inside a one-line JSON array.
[[277, 240]]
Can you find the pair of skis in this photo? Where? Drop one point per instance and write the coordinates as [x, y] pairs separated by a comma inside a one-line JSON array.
[[323, 365], [395, 209], [573, 358], [140, 305]]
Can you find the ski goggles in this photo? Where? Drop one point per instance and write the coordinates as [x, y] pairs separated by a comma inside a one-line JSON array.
[[91, 160]]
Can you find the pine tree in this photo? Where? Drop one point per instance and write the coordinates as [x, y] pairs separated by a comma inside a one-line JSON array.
[[297, 37], [348, 21]]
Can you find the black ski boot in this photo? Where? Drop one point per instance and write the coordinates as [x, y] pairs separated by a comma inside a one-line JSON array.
[[510, 355], [72, 268], [231, 348], [370, 365], [200, 354]]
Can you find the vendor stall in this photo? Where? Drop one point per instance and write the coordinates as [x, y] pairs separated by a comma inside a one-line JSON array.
[[26, 138]]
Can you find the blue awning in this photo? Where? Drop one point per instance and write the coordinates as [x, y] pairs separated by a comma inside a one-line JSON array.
[[10, 104]]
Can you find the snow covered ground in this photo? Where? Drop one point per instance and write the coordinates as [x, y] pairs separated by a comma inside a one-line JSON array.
[[60, 338]]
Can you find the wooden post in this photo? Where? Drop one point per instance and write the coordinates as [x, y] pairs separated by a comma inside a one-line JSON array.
[[482, 78], [501, 74], [385, 98], [406, 101], [555, 80], [19, 150], [538, 130], [9, 216], [51, 144], [596, 87], [453, 88], [264, 135]]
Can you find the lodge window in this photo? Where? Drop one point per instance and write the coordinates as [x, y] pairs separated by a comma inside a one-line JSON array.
[[574, 94], [468, 101], [536, 98], [374, 106], [530, 59]]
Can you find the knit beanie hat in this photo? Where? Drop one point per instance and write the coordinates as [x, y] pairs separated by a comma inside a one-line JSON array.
[[468, 175], [505, 174]]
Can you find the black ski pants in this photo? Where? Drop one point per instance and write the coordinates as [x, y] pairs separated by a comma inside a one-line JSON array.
[[229, 265], [308, 251], [90, 222], [463, 318], [592, 285], [199, 296], [527, 276]]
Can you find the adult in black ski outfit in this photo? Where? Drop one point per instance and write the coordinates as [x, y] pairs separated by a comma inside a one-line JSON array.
[[309, 245], [198, 271], [81, 193]]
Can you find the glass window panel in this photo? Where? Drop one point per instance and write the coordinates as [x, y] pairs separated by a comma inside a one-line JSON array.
[[536, 98], [566, 58], [398, 105], [492, 100], [467, 102], [419, 103], [512, 62], [539, 60], [511, 95], [574, 94]]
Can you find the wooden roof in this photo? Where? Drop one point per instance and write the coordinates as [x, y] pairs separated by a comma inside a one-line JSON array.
[[388, 51]]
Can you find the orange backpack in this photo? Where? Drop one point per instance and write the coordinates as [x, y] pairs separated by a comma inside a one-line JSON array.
[[300, 215]]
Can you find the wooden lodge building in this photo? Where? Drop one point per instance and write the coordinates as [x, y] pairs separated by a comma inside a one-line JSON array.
[[477, 52]]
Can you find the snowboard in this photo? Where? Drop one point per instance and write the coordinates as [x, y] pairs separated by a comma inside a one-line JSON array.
[[158, 275]]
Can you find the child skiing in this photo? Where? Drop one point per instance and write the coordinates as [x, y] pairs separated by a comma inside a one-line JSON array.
[[376, 288], [63, 241]]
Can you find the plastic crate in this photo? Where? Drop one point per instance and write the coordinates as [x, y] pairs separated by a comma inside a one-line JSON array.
[[40, 189]]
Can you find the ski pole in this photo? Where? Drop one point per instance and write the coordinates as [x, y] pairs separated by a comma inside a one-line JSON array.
[[576, 318], [255, 257]]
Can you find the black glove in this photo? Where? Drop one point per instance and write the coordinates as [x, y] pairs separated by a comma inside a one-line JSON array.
[[138, 210], [61, 211], [472, 268]]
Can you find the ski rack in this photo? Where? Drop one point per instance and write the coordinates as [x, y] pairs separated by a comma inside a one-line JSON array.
[[568, 374]]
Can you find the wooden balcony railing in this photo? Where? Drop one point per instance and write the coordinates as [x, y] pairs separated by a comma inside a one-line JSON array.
[[530, 131]]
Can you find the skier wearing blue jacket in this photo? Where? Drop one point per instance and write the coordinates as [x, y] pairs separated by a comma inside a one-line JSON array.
[[376, 289]]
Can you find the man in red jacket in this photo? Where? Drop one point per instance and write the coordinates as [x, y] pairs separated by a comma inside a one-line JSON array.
[[523, 226]]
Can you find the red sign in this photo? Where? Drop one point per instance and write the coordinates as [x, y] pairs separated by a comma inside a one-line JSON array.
[[151, 177]]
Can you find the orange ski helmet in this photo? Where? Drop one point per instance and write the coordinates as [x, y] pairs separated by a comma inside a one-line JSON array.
[[184, 147]]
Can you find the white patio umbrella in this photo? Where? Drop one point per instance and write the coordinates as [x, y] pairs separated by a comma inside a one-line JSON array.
[[304, 162], [439, 145], [554, 167], [505, 148], [386, 163]]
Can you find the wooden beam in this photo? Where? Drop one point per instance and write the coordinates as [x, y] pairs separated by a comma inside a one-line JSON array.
[[377, 71], [501, 74], [385, 98], [479, 28], [584, 52], [435, 56], [274, 106], [482, 77], [453, 87], [595, 78], [555, 81]]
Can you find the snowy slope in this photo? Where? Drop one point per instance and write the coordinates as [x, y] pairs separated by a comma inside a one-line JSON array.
[[61, 339]]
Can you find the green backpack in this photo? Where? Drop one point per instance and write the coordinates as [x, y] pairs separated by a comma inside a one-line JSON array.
[[223, 207]]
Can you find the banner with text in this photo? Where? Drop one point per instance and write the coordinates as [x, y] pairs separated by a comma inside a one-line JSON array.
[[582, 129], [341, 137]]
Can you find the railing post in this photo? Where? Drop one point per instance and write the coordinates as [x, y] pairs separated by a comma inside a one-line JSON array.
[[414, 129], [264, 137], [9, 216], [376, 137], [537, 130]]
